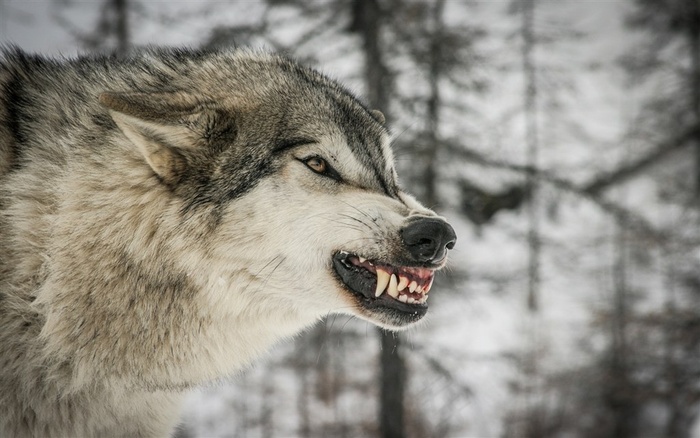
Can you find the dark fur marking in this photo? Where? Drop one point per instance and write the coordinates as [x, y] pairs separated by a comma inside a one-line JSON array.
[[249, 177], [103, 121], [14, 105], [291, 143], [359, 143], [167, 281]]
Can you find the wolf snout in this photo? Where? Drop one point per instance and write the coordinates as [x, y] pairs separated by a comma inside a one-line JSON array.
[[428, 239]]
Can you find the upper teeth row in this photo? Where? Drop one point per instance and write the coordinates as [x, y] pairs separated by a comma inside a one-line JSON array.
[[396, 284]]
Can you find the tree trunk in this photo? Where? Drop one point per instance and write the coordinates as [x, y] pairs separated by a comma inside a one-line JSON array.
[[267, 426], [694, 46], [121, 26], [532, 152], [376, 74], [620, 400], [434, 103], [303, 365], [393, 377]]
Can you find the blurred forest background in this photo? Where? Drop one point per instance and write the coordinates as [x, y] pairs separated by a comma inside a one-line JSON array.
[[561, 138]]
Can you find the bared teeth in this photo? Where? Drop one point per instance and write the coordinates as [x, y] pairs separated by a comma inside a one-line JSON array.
[[383, 278], [407, 285], [393, 285], [393, 289]]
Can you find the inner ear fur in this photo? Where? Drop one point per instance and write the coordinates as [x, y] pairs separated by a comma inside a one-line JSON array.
[[164, 127]]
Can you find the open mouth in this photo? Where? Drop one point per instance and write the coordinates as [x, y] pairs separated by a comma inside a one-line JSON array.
[[398, 288]]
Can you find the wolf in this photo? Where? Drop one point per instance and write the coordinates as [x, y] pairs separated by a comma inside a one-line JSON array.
[[166, 217]]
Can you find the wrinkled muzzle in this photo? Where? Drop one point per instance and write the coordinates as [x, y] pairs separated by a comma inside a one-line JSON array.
[[393, 291]]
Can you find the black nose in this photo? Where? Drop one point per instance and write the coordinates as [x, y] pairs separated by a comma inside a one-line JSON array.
[[428, 239]]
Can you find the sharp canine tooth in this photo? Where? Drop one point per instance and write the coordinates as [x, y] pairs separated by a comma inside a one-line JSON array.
[[403, 282], [382, 281], [393, 293], [361, 259], [412, 287], [403, 298], [393, 290], [419, 289]]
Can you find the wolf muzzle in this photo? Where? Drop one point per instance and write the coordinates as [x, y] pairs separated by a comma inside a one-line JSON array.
[[428, 239]]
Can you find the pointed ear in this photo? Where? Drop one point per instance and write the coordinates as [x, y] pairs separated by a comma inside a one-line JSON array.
[[379, 116], [163, 126]]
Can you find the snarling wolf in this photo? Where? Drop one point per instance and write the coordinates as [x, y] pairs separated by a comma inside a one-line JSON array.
[[166, 217]]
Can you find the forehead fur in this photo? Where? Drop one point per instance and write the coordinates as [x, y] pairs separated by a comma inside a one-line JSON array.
[[295, 101], [267, 101], [277, 101]]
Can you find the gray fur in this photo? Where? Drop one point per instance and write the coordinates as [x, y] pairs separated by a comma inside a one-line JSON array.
[[158, 230]]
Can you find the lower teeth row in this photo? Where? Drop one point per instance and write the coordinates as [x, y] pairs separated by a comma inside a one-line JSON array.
[[411, 300]]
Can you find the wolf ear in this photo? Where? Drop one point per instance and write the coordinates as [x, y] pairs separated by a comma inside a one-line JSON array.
[[379, 116], [163, 126]]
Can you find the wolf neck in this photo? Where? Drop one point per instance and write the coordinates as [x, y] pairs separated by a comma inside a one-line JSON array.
[[162, 333], [160, 329]]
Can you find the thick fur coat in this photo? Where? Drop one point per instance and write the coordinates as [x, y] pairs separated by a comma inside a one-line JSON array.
[[164, 219]]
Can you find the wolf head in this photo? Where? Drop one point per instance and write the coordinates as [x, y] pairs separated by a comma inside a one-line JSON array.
[[290, 182]]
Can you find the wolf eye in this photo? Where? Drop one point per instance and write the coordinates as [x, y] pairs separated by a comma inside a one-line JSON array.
[[317, 164], [321, 166]]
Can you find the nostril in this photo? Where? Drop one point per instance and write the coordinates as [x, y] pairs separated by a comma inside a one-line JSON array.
[[427, 239], [449, 236]]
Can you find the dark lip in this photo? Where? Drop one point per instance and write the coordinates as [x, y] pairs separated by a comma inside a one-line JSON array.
[[362, 283]]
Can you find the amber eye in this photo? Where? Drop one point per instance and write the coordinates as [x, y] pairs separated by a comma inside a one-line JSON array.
[[321, 166], [317, 164]]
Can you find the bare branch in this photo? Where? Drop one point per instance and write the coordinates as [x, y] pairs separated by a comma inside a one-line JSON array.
[[621, 213], [626, 171]]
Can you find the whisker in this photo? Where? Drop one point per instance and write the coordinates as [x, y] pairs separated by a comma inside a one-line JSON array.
[[370, 226], [359, 239], [362, 212], [256, 276], [346, 322], [356, 219], [268, 276], [351, 226]]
